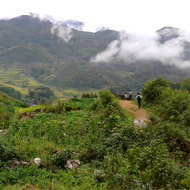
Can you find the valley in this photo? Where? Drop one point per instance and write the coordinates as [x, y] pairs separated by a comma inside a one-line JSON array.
[[32, 55]]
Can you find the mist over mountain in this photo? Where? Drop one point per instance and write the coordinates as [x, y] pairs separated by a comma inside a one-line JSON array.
[[59, 54]]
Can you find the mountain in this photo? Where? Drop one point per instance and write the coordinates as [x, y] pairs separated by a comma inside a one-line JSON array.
[[36, 52], [74, 24], [168, 33]]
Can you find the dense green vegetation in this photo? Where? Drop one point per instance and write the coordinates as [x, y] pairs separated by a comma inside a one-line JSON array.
[[7, 110], [40, 95], [95, 130], [11, 92]]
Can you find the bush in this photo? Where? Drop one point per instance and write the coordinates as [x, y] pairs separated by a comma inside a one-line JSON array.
[[159, 167], [175, 107], [107, 105], [40, 95], [96, 152], [7, 152], [185, 85], [171, 134], [153, 91], [106, 98], [61, 157]]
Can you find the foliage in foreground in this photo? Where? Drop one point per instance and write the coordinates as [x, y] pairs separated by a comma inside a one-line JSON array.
[[113, 153]]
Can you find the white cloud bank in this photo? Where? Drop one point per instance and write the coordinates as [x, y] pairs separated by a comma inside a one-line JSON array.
[[131, 48]]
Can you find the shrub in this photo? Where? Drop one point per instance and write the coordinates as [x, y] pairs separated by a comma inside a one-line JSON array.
[[159, 167], [40, 95], [170, 133], [154, 90], [106, 97], [96, 152], [185, 85], [175, 107], [61, 157], [7, 152], [107, 105]]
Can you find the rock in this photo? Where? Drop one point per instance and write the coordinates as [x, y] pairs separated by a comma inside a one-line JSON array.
[[14, 164], [140, 122], [25, 164], [37, 161], [72, 164]]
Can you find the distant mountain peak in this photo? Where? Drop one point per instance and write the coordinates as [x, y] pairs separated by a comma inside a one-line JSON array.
[[168, 30], [74, 24], [25, 18], [167, 33]]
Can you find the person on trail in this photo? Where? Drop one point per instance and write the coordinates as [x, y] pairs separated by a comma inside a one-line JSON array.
[[125, 96], [130, 95], [139, 98]]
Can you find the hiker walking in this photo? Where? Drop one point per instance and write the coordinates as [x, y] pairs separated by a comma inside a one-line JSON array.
[[139, 98], [130, 95], [125, 95]]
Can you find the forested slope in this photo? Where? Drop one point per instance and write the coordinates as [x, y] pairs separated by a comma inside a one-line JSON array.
[[35, 52]]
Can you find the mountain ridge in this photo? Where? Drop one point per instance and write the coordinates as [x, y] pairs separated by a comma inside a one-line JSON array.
[[30, 55]]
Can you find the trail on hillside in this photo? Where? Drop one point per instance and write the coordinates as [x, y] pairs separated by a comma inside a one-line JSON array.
[[141, 116]]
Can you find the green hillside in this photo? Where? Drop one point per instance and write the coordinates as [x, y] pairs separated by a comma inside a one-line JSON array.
[[92, 143], [26, 53]]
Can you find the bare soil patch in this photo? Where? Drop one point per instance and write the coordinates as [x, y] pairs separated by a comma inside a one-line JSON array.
[[141, 116]]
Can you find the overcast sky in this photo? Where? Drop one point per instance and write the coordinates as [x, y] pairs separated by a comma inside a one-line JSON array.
[[131, 15]]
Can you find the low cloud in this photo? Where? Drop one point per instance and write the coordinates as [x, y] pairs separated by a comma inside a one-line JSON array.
[[131, 48], [62, 32], [62, 29], [108, 55]]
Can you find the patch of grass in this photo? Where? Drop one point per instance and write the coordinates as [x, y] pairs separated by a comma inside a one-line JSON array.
[[31, 109]]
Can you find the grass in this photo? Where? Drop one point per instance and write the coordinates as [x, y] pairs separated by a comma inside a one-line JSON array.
[[31, 109], [72, 92]]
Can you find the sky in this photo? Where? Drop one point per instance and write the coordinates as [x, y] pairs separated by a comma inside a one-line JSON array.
[[145, 16]]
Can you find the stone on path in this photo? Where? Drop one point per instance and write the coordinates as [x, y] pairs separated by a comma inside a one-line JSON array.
[[72, 164], [140, 122], [37, 161]]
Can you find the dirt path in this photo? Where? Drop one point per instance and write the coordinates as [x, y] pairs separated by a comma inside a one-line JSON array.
[[141, 116]]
